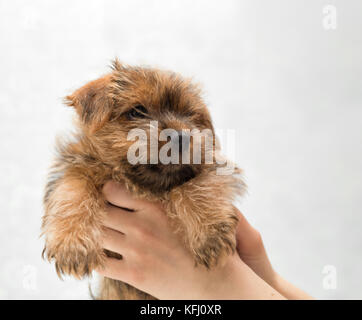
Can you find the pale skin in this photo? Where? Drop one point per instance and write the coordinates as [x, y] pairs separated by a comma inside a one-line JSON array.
[[156, 262]]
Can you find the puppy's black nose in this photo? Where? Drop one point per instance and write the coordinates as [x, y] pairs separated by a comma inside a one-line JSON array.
[[182, 139]]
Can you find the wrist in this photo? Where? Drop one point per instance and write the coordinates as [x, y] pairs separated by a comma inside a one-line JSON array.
[[236, 280], [219, 282], [274, 279]]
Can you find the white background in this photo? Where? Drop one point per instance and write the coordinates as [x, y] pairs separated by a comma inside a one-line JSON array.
[[270, 70]]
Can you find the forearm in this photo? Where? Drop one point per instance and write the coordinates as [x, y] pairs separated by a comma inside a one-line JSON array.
[[288, 290], [252, 251]]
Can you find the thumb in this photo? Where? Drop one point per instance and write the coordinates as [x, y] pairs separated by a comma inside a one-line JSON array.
[[248, 239]]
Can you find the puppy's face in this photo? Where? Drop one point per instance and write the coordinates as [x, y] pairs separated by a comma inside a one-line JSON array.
[[125, 114]]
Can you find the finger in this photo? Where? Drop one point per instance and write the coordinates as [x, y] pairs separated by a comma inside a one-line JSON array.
[[118, 195], [115, 269], [243, 224], [114, 241], [119, 219], [246, 235]]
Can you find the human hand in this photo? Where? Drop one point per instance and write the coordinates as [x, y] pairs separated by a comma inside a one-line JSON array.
[[156, 262], [252, 251]]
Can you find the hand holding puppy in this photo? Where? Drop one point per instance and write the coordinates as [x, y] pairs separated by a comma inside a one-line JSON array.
[[156, 262]]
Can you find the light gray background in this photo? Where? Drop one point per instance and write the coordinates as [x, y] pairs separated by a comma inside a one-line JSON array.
[[290, 89]]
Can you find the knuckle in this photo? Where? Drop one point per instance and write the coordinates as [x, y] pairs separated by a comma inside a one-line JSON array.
[[132, 226], [143, 233], [108, 188]]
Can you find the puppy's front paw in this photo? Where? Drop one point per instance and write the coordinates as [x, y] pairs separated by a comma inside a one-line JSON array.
[[76, 258], [217, 243]]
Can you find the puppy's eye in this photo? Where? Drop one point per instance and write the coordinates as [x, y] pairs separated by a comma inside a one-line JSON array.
[[137, 112]]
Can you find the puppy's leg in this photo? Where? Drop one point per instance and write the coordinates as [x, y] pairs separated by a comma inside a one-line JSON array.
[[72, 225], [205, 214]]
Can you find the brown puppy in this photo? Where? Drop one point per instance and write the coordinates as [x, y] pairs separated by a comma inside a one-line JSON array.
[[196, 198]]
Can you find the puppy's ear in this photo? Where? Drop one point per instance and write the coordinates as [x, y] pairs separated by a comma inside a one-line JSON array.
[[92, 103]]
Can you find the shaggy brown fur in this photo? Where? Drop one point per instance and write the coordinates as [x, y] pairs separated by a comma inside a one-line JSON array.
[[197, 200]]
